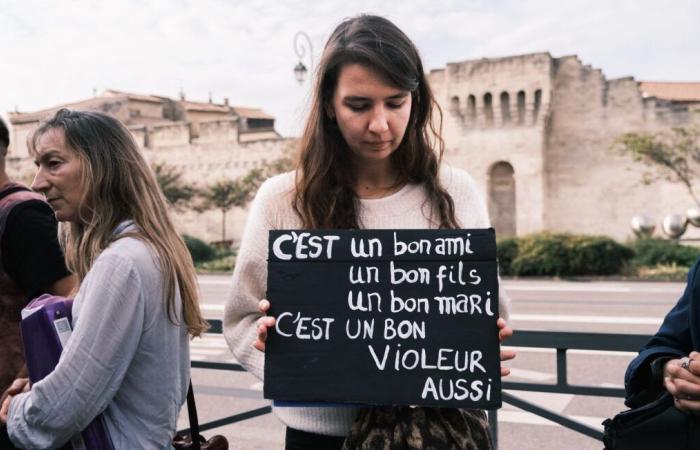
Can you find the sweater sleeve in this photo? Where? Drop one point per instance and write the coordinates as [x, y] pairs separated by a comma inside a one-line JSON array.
[[92, 365], [249, 284], [675, 338], [471, 212]]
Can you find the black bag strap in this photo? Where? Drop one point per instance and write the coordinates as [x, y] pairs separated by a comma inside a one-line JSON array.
[[12, 190], [194, 421]]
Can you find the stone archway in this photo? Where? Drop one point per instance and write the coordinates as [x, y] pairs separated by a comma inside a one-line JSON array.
[[501, 200]]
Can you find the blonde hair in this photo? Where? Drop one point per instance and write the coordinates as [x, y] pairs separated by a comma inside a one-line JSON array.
[[118, 185]]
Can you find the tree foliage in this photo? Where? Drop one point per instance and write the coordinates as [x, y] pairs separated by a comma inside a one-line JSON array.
[[226, 194], [671, 155], [178, 193]]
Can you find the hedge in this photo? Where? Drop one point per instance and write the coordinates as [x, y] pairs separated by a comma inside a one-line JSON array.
[[562, 254]]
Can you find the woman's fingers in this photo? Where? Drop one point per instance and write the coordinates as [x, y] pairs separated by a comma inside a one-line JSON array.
[[264, 323], [264, 306], [5, 409], [504, 332]]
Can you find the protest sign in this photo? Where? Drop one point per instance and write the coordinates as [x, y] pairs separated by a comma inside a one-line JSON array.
[[402, 317]]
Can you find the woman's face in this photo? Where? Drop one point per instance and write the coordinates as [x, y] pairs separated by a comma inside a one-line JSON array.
[[372, 115], [59, 174]]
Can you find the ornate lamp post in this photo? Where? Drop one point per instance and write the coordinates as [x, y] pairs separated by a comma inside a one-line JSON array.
[[302, 44]]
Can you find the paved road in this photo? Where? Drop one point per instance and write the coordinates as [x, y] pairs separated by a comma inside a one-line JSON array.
[[618, 307]]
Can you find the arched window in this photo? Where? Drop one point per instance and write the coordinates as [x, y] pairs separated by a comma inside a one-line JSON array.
[[471, 108], [521, 107], [454, 105], [538, 104], [488, 108], [505, 108], [502, 198]]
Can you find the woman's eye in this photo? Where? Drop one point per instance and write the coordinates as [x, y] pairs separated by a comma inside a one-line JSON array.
[[53, 163], [395, 105], [358, 107]]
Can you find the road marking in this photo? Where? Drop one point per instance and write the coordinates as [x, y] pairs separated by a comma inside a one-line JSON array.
[[586, 319], [531, 375], [522, 417], [591, 288], [570, 352]]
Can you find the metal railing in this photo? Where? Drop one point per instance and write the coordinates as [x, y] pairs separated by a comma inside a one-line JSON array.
[[559, 341]]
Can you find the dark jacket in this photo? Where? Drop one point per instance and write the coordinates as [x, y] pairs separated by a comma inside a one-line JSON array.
[[678, 336]]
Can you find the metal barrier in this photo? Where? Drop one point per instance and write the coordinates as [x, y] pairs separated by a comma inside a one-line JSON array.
[[560, 341]]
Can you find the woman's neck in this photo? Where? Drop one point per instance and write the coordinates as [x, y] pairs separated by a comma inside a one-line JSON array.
[[376, 180]]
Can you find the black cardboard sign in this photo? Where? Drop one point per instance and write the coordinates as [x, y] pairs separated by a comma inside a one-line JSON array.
[[385, 317]]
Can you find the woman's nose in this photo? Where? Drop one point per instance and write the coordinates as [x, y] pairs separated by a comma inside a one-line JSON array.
[[40, 184], [378, 122]]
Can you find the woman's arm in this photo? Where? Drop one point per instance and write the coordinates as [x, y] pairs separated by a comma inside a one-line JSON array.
[[672, 340], [93, 363], [249, 285]]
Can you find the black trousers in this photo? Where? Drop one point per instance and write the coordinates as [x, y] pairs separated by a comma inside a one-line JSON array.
[[301, 440]]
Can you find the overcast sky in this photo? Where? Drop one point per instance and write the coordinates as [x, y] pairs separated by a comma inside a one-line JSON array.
[[59, 51]]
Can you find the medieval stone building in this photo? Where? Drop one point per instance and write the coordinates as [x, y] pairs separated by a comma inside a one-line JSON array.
[[536, 133], [206, 141]]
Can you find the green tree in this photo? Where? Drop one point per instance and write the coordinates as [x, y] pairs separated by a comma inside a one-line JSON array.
[[671, 155], [178, 193], [226, 194]]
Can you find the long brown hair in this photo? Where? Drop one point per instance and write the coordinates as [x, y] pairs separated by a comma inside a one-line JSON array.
[[325, 197], [118, 185]]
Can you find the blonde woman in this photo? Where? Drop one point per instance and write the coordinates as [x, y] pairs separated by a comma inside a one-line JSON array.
[[137, 303]]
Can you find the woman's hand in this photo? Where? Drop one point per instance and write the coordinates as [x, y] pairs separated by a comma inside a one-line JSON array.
[[504, 333], [17, 387], [264, 323], [682, 380]]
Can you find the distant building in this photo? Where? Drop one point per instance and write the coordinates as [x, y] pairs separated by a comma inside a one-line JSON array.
[[207, 141], [536, 131]]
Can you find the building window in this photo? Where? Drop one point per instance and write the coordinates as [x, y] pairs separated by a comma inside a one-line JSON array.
[[521, 107], [454, 105], [501, 199], [471, 108], [505, 108], [538, 104], [488, 108]]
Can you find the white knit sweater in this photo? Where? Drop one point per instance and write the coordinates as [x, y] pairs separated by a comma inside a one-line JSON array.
[[272, 209]]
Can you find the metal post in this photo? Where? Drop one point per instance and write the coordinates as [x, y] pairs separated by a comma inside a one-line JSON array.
[[493, 425]]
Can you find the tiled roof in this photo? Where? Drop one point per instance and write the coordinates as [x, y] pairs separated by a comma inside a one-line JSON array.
[[672, 91], [251, 113], [95, 103]]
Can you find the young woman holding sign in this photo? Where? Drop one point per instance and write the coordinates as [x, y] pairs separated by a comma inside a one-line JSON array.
[[370, 158]]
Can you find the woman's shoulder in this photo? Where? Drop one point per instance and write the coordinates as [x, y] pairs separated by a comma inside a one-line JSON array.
[[277, 188], [456, 180], [129, 253]]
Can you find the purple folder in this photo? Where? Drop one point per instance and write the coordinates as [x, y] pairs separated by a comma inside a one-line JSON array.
[[46, 327]]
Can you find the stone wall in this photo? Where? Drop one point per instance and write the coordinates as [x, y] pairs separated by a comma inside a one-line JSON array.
[[555, 128]]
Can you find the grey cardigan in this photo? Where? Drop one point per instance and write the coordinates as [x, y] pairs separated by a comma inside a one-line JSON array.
[[124, 359]]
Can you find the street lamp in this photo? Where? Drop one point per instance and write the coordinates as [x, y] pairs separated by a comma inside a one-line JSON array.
[[302, 43]]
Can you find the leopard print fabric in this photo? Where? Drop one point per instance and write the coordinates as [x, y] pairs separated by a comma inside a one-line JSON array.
[[407, 428]]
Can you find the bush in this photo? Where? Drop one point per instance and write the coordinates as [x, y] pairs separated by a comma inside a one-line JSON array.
[[560, 254], [199, 249], [655, 252], [507, 250], [223, 264], [597, 255]]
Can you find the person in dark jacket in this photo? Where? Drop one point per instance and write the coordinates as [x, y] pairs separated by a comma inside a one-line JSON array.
[[669, 362]]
